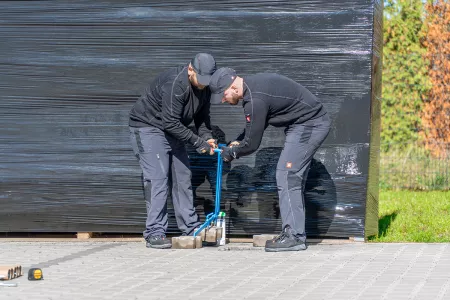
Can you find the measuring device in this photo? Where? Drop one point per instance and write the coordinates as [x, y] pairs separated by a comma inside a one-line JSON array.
[[35, 274]]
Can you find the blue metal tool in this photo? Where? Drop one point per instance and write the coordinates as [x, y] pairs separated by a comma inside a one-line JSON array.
[[210, 218]]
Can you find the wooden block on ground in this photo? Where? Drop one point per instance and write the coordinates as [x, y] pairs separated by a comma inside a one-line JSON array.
[[186, 242], [260, 239], [84, 235]]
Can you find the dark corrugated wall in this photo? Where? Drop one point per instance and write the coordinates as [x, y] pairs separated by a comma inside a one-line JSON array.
[[71, 70]]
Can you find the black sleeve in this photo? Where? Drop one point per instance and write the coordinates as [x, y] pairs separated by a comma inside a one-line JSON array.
[[173, 101], [241, 136], [255, 122], [203, 122]]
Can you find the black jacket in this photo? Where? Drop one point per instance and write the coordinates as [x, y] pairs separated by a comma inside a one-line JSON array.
[[272, 99], [171, 103]]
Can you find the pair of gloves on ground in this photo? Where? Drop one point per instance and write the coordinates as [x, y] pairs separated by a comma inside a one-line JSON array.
[[227, 152]]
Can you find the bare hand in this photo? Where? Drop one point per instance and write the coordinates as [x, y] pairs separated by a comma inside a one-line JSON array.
[[212, 143]]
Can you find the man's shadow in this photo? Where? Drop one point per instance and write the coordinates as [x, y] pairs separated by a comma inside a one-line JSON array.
[[252, 197]]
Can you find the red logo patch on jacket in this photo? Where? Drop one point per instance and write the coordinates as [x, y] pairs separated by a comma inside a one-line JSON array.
[[247, 118]]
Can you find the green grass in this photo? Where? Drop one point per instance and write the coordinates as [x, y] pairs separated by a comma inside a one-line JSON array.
[[409, 216]]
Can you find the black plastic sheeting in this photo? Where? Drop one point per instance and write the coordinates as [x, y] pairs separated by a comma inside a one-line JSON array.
[[71, 70]]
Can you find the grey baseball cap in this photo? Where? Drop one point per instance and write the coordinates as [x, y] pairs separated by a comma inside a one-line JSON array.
[[204, 65], [220, 82]]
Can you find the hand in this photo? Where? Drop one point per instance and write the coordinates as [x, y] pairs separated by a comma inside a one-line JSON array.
[[205, 147], [212, 143], [204, 150], [235, 143], [227, 154]]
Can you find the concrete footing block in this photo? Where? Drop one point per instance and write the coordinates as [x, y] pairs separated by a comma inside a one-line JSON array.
[[186, 242], [260, 239]]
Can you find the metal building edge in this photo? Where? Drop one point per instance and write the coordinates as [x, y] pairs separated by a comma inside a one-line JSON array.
[[372, 197]]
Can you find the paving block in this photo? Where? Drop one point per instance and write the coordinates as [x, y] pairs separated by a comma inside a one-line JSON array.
[[203, 234], [186, 242], [198, 241], [259, 240], [213, 234], [84, 235]]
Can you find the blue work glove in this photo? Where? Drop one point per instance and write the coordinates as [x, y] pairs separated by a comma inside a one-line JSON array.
[[228, 154]]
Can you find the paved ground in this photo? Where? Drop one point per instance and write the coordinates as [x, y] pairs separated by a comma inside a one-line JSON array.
[[128, 270]]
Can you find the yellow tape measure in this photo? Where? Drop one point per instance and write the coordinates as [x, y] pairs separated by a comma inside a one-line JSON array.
[[35, 274]]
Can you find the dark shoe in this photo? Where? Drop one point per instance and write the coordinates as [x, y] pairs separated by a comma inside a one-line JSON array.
[[158, 242], [285, 242]]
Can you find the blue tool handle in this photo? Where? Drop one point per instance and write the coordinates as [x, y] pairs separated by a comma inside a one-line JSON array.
[[219, 146], [213, 216]]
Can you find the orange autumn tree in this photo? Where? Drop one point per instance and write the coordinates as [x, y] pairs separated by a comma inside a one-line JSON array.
[[436, 110]]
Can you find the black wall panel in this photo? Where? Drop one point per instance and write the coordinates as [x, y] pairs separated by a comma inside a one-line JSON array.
[[71, 70]]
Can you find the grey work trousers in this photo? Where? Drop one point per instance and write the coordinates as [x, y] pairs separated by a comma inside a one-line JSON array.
[[302, 141], [165, 168]]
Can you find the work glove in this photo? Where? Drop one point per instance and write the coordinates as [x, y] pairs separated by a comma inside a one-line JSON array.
[[203, 147], [228, 154]]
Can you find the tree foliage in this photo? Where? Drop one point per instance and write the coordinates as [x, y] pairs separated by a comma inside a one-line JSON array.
[[436, 112], [404, 71]]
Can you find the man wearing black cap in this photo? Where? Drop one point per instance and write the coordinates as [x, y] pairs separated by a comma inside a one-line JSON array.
[[272, 99], [159, 130]]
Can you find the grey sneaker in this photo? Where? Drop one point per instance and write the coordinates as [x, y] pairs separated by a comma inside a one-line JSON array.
[[285, 242], [158, 242]]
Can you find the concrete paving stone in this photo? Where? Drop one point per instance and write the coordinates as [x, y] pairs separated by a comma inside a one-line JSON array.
[[348, 294], [423, 297], [440, 273], [282, 297], [256, 297], [333, 264], [438, 281], [397, 296], [445, 295], [431, 293]]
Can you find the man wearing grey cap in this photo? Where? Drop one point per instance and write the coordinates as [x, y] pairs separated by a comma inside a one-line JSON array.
[[272, 99], [158, 124]]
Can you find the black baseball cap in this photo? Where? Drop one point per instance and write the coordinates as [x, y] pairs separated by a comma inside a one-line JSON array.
[[204, 65], [220, 82]]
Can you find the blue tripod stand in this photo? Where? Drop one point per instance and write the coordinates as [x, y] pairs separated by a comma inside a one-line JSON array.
[[212, 217]]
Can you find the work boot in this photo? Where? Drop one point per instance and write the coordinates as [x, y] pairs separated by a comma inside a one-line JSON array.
[[158, 242], [285, 242]]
